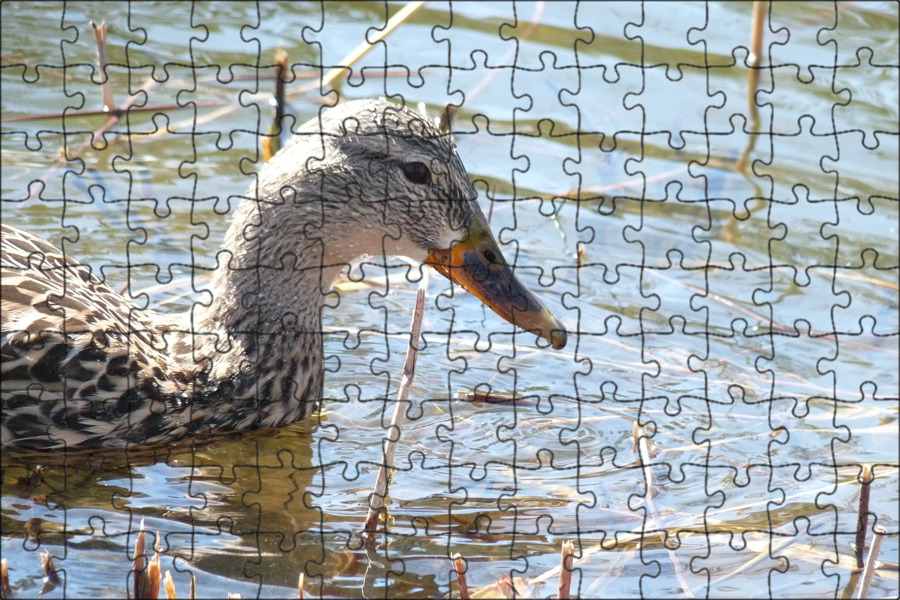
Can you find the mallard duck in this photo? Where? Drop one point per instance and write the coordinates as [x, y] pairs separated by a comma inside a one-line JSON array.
[[84, 369]]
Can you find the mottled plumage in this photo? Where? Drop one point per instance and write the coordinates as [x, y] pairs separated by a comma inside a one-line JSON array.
[[83, 368]]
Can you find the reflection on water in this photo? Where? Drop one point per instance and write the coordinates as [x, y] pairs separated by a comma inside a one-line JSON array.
[[746, 321]]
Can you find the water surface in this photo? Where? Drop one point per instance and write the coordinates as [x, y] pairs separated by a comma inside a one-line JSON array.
[[746, 319]]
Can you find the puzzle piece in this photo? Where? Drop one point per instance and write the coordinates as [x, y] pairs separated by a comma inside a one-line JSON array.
[[723, 254]]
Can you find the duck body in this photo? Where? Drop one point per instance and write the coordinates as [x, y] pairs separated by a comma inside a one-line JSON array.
[[83, 368]]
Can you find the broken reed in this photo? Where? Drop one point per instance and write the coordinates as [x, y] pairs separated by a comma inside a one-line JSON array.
[[109, 104], [376, 502], [862, 520], [144, 572], [566, 564], [4, 579], [271, 143], [459, 567]]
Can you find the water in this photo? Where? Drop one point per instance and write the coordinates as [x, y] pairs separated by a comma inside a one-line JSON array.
[[748, 319]]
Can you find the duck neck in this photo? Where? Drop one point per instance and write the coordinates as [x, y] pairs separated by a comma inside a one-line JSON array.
[[261, 336]]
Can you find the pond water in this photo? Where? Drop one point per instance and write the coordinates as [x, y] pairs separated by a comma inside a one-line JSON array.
[[731, 290]]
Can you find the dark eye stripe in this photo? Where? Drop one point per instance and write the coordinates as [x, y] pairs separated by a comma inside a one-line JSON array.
[[417, 172]]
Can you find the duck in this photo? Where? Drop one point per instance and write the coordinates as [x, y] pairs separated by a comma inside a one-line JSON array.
[[85, 369]]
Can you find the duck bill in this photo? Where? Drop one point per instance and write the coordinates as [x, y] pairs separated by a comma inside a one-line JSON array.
[[476, 264]]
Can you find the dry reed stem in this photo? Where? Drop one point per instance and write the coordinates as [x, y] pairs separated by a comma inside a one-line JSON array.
[[153, 570], [109, 104], [566, 565], [652, 516], [644, 454], [138, 566], [363, 48], [862, 515], [409, 371], [50, 575], [4, 579], [459, 567], [169, 586], [145, 572], [446, 122], [271, 143], [869, 571], [757, 30], [754, 58]]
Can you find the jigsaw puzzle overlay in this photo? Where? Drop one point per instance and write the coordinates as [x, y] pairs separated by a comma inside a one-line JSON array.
[[706, 198]]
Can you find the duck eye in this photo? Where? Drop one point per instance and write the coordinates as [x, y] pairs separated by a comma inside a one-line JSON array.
[[417, 172]]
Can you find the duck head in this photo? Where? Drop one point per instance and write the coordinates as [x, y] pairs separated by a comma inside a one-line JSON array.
[[379, 179]]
